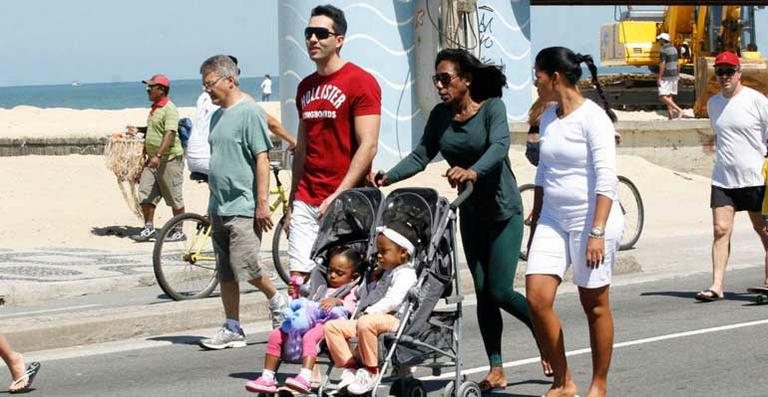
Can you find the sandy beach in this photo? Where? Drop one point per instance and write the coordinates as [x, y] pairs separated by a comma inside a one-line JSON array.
[[33, 122], [73, 201]]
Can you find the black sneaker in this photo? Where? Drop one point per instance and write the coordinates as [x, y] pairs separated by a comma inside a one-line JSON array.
[[146, 234]]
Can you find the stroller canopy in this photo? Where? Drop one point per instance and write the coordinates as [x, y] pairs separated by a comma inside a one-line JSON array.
[[349, 220]]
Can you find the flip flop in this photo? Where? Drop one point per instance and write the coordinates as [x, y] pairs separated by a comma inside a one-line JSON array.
[[29, 377], [487, 387], [708, 295]]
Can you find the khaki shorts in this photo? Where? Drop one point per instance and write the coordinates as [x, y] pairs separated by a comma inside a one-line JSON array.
[[166, 182], [237, 245]]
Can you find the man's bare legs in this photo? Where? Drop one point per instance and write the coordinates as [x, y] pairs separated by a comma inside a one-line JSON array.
[[674, 111], [230, 294], [722, 228], [762, 231]]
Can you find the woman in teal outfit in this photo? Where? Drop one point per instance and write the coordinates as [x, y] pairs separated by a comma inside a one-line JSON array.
[[469, 128]]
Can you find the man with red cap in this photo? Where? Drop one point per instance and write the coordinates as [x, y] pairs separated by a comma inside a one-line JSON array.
[[739, 118], [163, 174]]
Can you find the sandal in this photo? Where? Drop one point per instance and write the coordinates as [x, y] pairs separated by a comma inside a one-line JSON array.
[[708, 295], [28, 377], [487, 387]]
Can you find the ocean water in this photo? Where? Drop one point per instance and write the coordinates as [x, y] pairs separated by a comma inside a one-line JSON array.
[[132, 94], [114, 95]]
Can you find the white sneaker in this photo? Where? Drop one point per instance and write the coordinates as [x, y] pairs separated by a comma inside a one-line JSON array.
[[276, 306], [364, 382], [224, 339], [347, 378]]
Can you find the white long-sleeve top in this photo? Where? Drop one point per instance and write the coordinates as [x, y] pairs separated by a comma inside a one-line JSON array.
[[403, 278], [577, 161], [197, 147], [740, 124]]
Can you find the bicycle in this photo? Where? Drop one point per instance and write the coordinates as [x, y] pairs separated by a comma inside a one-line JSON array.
[[186, 269], [630, 202]]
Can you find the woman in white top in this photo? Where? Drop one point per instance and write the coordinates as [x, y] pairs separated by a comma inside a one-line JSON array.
[[576, 218]]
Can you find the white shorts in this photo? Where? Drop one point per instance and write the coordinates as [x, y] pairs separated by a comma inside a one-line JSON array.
[[668, 86], [197, 165], [554, 249], [302, 235]]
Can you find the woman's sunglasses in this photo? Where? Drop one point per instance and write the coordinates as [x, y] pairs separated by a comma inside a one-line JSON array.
[[443, 78], [320, 33], [725, 72]]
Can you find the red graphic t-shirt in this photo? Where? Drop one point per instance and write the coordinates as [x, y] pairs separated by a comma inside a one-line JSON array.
[[327, 106]]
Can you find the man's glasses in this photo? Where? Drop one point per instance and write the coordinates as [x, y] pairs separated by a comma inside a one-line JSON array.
[[320, 33], [720, 72], [443, 78], [208, 85]]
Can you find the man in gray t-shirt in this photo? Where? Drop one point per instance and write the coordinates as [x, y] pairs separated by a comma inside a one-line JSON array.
[[668, 75]]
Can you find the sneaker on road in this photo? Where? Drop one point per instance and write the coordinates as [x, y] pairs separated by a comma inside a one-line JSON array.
[[300, 384], [224, 339], [176, 235], [146, 234], [364, 382], [276, 306], [261, 385]]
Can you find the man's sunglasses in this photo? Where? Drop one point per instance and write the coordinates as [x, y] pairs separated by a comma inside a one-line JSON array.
[[443, 78], [320, 33], [725, 71]]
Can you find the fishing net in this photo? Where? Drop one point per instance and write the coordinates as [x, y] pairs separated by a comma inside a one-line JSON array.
[[124, 156]]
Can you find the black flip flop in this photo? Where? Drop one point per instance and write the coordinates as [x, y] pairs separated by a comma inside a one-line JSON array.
[[29, 376], [708, 295]]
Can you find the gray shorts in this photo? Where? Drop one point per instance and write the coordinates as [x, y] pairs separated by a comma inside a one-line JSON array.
[[167, 181], [237, 245]]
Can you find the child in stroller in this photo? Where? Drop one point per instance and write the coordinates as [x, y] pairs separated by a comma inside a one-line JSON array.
[[380, 312], [344, 267]]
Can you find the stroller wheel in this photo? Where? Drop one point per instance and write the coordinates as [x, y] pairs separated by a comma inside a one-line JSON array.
[[410, 387], [468, 389], [448, 389]]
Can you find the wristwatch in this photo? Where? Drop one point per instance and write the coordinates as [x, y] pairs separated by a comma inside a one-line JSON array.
[[597, 232]]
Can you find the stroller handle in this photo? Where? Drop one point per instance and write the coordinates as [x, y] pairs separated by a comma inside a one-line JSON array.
[[464, 193]]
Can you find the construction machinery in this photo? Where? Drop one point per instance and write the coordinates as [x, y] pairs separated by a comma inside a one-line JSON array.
[[698, 32]]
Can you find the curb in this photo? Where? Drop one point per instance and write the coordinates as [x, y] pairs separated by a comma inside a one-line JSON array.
[[51, 331]]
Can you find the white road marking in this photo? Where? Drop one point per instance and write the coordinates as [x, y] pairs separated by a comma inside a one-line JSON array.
[[659, 338], [61, 309]]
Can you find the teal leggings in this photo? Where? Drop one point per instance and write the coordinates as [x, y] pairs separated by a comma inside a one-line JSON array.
[[492, 250]]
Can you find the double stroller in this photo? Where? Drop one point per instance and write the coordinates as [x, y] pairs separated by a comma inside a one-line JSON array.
[[427, 336]]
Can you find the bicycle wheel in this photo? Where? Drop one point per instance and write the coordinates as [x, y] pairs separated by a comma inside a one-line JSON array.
[[185, 268], [280, 251], [632, 207], [526, 194]]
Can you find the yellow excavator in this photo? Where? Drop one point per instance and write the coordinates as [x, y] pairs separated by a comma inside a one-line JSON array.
[[699, 33]]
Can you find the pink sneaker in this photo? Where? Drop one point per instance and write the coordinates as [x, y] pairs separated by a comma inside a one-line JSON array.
[[299, 384], [261, 385]]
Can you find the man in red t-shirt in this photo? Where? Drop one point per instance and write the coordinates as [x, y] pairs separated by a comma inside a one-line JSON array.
[[339, 116]]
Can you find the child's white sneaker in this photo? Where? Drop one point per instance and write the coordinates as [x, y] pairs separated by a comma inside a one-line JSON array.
[[364, 382], [347, 378]]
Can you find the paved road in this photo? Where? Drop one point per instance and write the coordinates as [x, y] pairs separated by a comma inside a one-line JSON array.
[[667, 345]]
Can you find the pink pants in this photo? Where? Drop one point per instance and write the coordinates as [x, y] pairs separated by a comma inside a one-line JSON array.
[[309, 342]]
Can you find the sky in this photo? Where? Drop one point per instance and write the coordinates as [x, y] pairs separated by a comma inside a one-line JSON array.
[[58, 42]]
